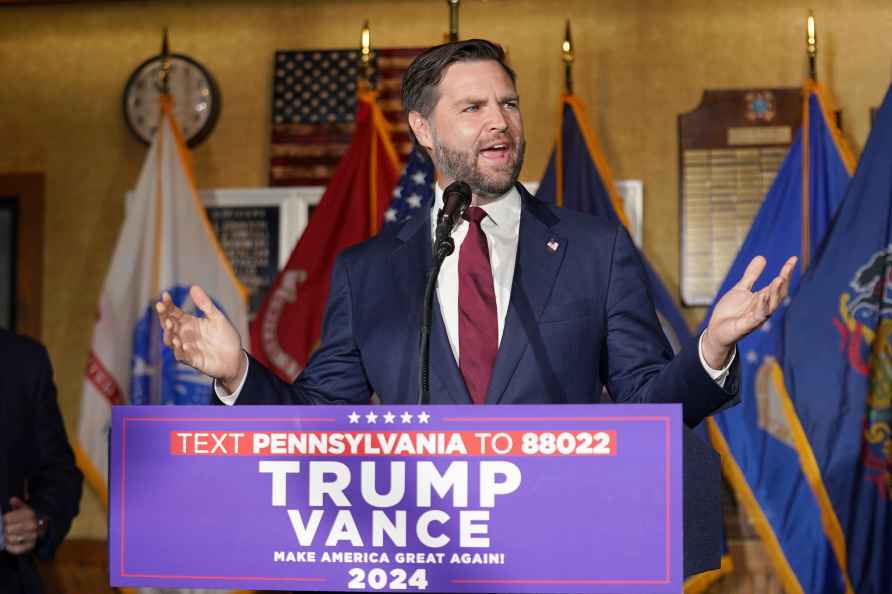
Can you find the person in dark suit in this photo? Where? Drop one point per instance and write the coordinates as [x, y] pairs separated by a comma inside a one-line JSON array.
[[537, 305], [40, 486]]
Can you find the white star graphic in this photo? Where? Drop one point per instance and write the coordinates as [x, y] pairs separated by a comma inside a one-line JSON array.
[[406, 417], [354, 418], [766, 326], [390, 215], [414, 201], [371, 417], [423, 417], [787, 300], [752, 357], [398, 191], [389, 417], [419, 178]]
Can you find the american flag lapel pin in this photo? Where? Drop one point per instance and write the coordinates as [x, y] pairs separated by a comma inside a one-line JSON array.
[[552, 245]]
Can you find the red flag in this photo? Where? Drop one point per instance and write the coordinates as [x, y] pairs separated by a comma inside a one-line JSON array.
[[288, 326]]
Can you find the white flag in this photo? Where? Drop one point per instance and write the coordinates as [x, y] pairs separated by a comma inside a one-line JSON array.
[[166, 244]]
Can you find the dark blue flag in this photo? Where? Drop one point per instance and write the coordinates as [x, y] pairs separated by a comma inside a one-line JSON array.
[[577, 177], [837, 361], [758, 439]]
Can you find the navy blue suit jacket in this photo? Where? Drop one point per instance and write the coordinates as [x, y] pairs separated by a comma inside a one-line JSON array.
[[580, 318]]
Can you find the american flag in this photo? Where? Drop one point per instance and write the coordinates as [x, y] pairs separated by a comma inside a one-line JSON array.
[[414, 193], [314, 105]]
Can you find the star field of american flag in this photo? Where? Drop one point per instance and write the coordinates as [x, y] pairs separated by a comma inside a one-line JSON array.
[[316, 86], [414, 193], [314, 107]]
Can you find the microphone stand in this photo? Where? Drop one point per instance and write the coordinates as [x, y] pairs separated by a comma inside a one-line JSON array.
[[444, 246], [456, 198]]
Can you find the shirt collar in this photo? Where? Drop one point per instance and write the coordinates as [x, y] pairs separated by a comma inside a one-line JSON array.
[[504, 211]]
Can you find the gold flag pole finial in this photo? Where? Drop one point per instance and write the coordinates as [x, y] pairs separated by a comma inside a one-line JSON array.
[[568, 56], [453, 19], [811, 43], [365, 55], [164, 72]]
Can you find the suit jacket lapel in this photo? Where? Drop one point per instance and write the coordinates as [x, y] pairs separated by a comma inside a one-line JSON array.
[[443, 364], [410, 263], [540, 253]]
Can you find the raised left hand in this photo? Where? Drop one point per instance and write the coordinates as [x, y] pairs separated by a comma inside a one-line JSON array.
[[20, 528], [740, 310]]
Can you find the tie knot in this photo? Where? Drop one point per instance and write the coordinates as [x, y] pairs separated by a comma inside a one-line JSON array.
[[474, 214]]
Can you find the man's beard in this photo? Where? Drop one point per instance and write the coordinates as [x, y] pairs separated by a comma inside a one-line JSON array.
[[462, 165]]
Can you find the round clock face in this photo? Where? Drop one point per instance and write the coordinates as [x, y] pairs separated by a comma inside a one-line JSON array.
[[196, 99]]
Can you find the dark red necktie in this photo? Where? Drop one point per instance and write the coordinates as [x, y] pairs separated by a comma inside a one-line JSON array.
[[478, 326]]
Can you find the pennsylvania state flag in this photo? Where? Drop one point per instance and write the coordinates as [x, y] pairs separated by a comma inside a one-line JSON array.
[[577, 177], [757, 440], [837, 362]]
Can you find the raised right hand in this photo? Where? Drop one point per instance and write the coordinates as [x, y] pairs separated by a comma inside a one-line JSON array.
[[210, 344]]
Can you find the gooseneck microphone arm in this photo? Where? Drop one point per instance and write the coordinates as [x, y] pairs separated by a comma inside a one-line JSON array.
[[456, 198]]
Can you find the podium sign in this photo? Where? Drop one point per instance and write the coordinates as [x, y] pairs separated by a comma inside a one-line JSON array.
[[574, 498]]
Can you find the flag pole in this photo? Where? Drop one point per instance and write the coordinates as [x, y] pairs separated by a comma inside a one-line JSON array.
[[365, 55], [164, 72], [568, 56], [453, 19], [811, 46]]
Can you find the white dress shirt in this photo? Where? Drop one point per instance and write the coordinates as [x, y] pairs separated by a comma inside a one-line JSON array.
[[502, 229]]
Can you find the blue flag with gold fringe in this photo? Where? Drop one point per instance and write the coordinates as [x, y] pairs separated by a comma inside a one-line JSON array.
[[577, 177], [837, 361], [757, 439]]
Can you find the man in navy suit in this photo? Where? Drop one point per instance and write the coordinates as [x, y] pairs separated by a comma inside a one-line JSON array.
[[537, 305], [565, 310]]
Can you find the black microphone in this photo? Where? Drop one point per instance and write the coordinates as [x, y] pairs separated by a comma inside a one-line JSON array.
[[456, 198]]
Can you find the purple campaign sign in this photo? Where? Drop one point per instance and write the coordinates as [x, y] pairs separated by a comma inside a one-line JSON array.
[[439, 499]]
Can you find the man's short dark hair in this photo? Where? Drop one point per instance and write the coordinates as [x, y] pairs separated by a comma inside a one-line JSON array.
[[419, 88]]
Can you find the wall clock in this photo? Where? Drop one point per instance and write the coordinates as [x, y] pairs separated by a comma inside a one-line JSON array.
[[196, 97]]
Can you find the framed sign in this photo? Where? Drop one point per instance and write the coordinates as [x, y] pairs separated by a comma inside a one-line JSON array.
[[729, 150], [258, 229]]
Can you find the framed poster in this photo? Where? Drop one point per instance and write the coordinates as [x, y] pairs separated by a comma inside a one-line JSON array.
[[258, 229], [729, 150]]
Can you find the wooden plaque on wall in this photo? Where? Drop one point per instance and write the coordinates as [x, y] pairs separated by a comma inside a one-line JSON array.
[[729, 150]]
